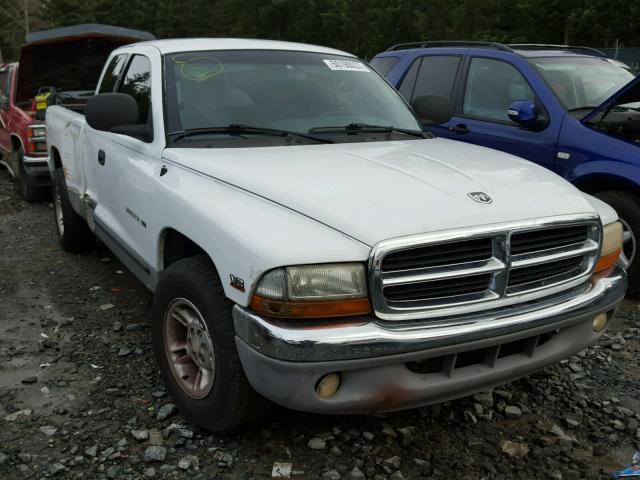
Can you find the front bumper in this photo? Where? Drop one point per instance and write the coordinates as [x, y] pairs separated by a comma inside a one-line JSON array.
[[38, 167], [394, 365]]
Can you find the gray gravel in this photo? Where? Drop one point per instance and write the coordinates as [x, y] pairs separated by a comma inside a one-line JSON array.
[[99, 409], [155, 453]]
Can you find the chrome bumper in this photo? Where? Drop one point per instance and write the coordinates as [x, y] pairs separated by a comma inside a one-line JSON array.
[[377, 361], [370, 337], [36, 166]]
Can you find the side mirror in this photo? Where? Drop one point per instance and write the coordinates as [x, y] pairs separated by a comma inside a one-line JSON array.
[[4, 102], [107, 111], [524, 112], [433, 109]]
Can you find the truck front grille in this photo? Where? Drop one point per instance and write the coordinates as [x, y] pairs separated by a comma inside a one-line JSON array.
[[464, 272]]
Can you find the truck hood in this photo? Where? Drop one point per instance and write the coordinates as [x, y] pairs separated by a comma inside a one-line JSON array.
[[69, 58], [376, 191], [630, 93]]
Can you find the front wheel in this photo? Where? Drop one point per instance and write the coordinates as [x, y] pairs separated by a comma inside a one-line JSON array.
[[628, 207], [194, 342]]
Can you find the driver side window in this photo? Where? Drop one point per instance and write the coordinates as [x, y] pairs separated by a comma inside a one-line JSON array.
[[137, 83], [112, 74], [492, 86], [5, 75]]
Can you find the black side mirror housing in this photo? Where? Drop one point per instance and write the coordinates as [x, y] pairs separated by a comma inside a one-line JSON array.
[[107, 111], [433, 109]]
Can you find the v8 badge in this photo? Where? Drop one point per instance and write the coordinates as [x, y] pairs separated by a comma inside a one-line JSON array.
[[237, 282]]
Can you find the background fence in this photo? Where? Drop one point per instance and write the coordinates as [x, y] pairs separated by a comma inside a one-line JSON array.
[[630, 55]]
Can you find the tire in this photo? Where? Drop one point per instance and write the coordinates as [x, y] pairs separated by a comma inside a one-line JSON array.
[[628, 207], [8, 161], [223, 399], [30, 191], [73, 232]]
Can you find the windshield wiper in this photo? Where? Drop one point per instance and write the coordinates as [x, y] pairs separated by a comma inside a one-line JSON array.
[[237, 128], [582, 109], [364, 128], [620, 108]]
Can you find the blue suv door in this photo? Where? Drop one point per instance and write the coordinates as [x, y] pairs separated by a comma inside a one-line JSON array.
[[488, 86]]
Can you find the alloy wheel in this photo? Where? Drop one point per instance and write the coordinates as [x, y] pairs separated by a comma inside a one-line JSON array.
[[189, 348], [57, 205], [628, 245]]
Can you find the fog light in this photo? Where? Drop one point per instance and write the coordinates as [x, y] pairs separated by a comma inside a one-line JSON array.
[[600, 322], [328, 385]]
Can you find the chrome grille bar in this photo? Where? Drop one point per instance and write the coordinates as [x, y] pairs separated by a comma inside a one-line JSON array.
[[438, 273]]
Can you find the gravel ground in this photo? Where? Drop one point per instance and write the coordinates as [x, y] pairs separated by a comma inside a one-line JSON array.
[[81, 395]]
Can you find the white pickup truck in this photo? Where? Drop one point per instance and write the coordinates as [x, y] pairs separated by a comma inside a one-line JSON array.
[[309, 245]]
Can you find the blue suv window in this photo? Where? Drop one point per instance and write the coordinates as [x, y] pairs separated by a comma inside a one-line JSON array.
[[409, 81], [493, 85], [382, 65], [436, 76]]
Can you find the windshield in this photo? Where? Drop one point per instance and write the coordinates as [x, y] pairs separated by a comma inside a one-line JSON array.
[[290, 92], [582, 83]]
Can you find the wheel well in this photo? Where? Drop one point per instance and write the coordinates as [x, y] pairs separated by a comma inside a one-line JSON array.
[[600, 183], [175, 246], [15, 143], [57, 162]]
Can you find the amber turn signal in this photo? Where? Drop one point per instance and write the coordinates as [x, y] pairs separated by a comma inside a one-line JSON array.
[[611, 246], [607, 261], [310, 309]]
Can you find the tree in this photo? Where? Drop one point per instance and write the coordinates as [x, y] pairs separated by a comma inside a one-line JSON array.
[[18, 18], [363, 27]]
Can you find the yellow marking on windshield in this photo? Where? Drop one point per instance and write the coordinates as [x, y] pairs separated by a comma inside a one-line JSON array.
[[199, 69]]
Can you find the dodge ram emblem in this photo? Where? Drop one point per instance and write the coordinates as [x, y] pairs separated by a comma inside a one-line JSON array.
[[479, 197]]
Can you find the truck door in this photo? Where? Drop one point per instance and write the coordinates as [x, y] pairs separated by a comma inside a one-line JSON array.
[[489, 87], [5, 92], [124, 167]]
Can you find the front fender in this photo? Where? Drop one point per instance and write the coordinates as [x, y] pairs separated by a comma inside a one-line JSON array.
[[593, 154], [244, 235]]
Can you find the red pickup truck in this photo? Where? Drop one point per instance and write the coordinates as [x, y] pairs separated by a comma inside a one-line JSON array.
[[64, 63]]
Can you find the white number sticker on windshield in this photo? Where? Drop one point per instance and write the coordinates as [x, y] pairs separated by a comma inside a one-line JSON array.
[[348, 65]]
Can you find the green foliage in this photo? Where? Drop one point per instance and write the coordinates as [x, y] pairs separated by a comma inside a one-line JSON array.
[[363, 27]]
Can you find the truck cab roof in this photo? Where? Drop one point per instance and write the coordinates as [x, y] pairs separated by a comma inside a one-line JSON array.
[[196, 44]]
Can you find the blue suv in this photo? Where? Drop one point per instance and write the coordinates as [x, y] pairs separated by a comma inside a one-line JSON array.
[[566, 108]]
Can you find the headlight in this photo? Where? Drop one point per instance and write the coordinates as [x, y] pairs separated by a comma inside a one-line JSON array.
[[611, 246], [312, 291]]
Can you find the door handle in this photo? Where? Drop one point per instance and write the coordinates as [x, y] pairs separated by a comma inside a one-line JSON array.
[[460, 129], [101, 157]]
